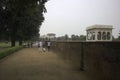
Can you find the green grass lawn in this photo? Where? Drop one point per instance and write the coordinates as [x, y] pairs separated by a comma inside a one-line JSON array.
[[3, 44], [6, 49], [9, 50]]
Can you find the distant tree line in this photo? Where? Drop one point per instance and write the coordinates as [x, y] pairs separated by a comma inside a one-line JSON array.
[[73, 37], [20, 20], [118, 38]]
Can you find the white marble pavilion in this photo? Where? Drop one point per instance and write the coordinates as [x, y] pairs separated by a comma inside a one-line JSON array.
[[99, 33]]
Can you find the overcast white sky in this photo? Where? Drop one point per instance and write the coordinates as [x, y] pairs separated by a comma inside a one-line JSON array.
[[73, 16]]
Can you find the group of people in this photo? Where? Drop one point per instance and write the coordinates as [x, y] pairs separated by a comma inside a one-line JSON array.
[[43, 45]]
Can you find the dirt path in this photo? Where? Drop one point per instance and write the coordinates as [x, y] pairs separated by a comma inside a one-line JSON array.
[[30, 64]]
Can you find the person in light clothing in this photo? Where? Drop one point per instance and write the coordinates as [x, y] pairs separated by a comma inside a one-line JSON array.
[[48, 45], [40, 46]]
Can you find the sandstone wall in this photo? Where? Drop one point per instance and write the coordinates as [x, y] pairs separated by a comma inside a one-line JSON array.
[[99, 59]]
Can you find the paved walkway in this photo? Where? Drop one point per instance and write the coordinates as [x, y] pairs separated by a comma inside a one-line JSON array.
[[30, 64]]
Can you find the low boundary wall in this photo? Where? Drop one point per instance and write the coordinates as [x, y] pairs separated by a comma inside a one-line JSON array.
[[99, 59]]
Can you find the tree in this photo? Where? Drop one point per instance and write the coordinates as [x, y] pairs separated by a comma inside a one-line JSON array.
[[66, 37], [74, 37], [82, 37], [3, 20], [78, 38], [23, 18], [119, 36]]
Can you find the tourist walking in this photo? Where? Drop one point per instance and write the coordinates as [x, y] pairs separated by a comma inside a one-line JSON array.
[[40, 46], [48, 45]]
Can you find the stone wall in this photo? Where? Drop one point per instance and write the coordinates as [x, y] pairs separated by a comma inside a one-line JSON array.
[[99, 59]]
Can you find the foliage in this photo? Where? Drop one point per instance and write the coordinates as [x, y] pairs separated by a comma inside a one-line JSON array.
[[82, 37], [21, 19], [73, 38], [8, 51], [119, 36]]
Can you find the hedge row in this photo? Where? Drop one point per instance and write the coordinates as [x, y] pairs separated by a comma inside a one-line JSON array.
[[8, 51]]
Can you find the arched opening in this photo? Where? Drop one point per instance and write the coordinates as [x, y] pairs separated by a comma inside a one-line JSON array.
[[104, 35], [99, 36], [108, 35], [89, 36], [93, 35]]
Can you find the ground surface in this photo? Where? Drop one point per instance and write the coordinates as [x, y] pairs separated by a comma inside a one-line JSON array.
[[30, 64]]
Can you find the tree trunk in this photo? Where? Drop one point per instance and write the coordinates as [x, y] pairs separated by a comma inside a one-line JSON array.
[[13, 43], [20, 43], [13, 39]]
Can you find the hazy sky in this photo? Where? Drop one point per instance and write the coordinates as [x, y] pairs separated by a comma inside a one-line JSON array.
[[73, 16]]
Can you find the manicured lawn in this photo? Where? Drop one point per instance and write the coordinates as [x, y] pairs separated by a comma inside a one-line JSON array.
[[9, 50], [2, 45]]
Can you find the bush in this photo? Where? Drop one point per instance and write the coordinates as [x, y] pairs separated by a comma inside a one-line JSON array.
[[8, 51]]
